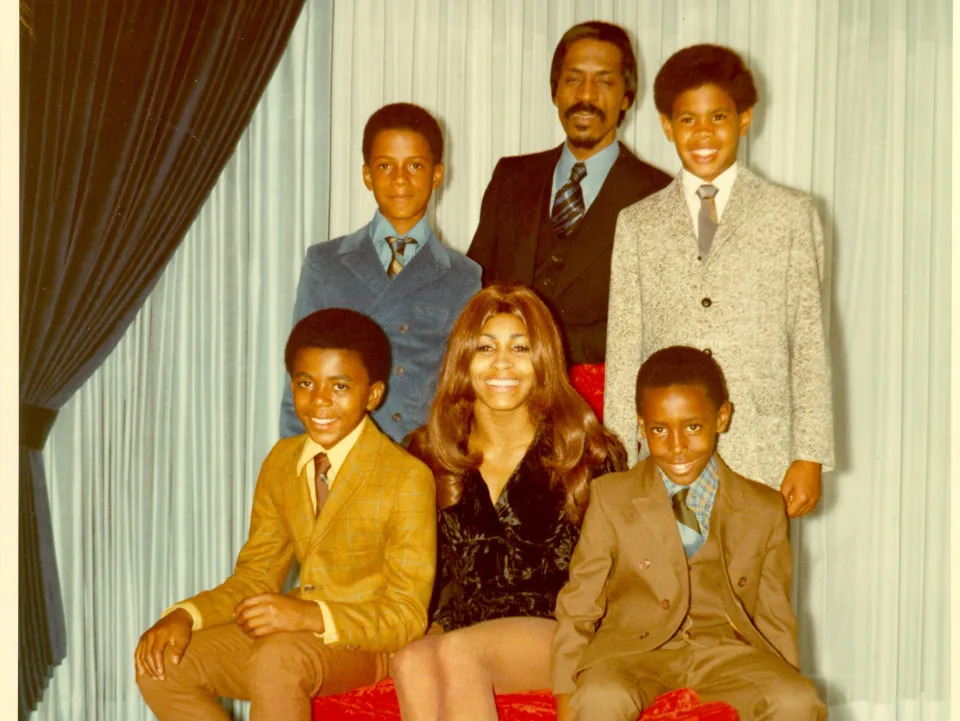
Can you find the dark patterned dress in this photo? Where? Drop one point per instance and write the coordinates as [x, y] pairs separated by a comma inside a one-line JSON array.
[[508, 559]]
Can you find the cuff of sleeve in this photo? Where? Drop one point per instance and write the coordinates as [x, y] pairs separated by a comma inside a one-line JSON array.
[[329, 635], [189, 608]]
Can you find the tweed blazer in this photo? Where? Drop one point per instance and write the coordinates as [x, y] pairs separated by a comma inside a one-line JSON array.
[[755, 302], [416, 310], [629, 572], [370, 556], [505, 244]]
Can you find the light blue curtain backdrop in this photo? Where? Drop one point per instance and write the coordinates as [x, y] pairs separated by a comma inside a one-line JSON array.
[[152, 464]]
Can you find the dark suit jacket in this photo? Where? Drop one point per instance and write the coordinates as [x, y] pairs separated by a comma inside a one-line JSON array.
[[505, 244], [629, 571], [416, 310]]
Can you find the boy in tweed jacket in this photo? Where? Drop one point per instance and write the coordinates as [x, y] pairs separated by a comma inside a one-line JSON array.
[[728, 262]]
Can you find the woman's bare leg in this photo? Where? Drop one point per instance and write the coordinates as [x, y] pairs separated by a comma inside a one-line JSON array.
[[418, 679], [505, 655]]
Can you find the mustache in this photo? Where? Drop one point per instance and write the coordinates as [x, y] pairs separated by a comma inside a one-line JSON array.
[[584, 108]]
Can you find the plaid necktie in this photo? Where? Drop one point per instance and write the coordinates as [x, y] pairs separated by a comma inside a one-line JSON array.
[[397, 245], [321, 466], [707, 225], [682, 512], [568, 206]]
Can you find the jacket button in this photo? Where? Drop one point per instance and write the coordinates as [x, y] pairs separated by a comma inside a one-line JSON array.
[[308, 588], [644, 634], [556, 259], [401, 370], [404, 328], [665, 604], [707, 351], [742, 581], [397, 417], [546, 282], [706, 302]]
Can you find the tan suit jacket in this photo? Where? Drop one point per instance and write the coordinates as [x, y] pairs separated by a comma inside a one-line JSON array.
[[629, 571], [370, 556], [755, 303]]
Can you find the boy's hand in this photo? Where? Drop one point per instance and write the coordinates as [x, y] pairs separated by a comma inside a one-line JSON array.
[[564, 713], [268, 613], [174, 630], [801, 487]]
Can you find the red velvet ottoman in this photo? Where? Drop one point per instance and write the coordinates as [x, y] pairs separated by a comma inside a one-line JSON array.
[[379, 703]]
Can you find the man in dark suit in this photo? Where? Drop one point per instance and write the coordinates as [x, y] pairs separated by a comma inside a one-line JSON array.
[[548, 219]]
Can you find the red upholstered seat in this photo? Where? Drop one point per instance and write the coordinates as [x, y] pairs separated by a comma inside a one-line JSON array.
[[588, 380], [379, 703]]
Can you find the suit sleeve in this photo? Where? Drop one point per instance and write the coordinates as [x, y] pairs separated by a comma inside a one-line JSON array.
[[483, 248], [307, 290], [262, 563], [399, 615], [624, 337], [582, 601], [774, 616], [810, 367]]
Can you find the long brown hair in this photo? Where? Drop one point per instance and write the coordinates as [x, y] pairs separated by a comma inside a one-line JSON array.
[[572, 440]]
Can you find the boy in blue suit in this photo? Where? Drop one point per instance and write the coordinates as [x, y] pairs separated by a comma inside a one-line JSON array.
[[394, 269]]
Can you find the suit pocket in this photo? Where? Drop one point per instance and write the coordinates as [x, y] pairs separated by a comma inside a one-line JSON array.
[[744, 574]]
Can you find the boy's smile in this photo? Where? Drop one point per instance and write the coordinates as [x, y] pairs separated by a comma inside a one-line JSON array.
[[402, 175], [332, 392], [680, 424], [706, 129]]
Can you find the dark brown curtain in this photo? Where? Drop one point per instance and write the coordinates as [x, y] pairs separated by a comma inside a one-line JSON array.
[[129, 111]]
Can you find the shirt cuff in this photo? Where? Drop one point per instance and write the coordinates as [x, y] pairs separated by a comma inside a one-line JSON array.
[[329, 635], [191, 609]]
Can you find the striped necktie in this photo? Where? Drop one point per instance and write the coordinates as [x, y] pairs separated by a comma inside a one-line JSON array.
[[707, 225], [568, 206], [682, 511], [397, 245], [321, 466]]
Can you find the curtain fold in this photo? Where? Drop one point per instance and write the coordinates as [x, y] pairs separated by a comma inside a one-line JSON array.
[[129, 110]]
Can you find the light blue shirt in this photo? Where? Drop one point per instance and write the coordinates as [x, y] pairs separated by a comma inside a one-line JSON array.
[[703, 491], [598, 166], [383, 228]]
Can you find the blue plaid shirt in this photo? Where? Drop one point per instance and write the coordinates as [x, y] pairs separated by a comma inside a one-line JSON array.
[[699, 500]]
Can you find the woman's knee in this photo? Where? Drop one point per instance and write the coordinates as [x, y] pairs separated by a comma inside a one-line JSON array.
[[414, 659]]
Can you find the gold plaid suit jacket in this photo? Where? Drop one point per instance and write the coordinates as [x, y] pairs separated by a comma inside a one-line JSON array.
[[370, 556]]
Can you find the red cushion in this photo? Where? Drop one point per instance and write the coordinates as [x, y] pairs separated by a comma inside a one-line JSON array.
[[380, 703], [588, 380]]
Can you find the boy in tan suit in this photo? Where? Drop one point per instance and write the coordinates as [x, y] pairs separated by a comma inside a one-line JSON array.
[[358, 513], [681, 577], [725, 261]]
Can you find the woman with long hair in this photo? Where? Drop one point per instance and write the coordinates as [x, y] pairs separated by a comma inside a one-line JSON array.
[[513, 447]]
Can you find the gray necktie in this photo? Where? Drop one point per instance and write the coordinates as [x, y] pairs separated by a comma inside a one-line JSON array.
[[707, 226], [682, 511]]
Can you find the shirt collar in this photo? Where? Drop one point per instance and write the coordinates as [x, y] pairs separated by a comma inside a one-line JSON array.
[[336, 455], [723, 183], [382, 227], [598, 167]]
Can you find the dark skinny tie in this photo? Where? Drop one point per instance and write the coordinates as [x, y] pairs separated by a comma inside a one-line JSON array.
[[682, 512], [707, 225], [568, 206], [321, 466], [397, 245]]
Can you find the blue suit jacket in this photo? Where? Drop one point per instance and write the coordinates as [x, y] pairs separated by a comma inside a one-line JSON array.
[[416, 310]]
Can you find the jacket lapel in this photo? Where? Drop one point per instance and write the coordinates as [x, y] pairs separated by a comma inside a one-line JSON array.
[[737, 211], [350, 479], [360, 260], [653, 507], [530, 195], [427, 265]]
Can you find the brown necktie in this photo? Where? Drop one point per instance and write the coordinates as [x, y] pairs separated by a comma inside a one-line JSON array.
[[707, 225], [682, 511], [321, 466], [397, 245], [568, 206]]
